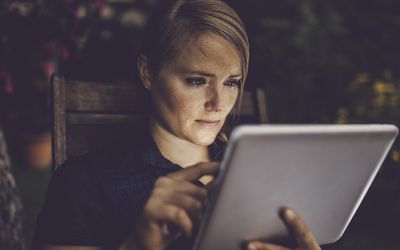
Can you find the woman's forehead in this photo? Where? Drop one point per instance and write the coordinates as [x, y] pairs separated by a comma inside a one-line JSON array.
[[208, 52]]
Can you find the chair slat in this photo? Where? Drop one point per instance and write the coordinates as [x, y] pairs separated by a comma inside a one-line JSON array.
[[105, 98], [248, 107], [83, 138], [57, 97]]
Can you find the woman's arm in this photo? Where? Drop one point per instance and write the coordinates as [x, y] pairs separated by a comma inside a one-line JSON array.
[[175, 206]]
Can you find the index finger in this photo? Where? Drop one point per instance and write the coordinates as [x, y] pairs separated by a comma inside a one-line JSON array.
[[193, 173], [298, 228]]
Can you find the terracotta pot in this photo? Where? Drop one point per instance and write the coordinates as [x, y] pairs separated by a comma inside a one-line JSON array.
[[36, 150]]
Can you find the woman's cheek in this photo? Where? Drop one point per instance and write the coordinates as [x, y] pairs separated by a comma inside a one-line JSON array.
[[182, 108], [173, 99], [231, 100]]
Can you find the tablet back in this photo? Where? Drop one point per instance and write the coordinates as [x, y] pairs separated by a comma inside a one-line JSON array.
[[322, 172]]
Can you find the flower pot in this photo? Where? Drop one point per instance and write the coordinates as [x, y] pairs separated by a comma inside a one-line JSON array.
[[36, 150]]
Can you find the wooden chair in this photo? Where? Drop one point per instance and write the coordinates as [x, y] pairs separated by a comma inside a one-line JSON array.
[[86, 115]]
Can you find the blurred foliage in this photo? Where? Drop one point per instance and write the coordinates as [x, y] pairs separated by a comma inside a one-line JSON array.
[[306, 52], [88, 40]]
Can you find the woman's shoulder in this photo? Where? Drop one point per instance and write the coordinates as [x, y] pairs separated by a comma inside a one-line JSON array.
[[110, 155], [73, 205], [110, 158], [85, 187]]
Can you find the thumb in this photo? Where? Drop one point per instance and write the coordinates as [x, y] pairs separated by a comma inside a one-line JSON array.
[[210, 186]]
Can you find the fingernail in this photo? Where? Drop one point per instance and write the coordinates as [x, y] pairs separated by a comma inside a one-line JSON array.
[[251, 246], [289, 214]]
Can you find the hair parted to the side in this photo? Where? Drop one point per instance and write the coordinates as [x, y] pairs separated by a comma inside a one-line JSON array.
[[173, 22]]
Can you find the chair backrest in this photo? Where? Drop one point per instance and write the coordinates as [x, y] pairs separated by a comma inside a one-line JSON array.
[[86, 115]]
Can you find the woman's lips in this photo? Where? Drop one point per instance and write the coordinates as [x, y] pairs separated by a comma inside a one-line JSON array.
[[208, 123]]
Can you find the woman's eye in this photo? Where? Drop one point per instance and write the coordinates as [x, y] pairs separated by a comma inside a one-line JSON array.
[[233, 83], [196, 81]]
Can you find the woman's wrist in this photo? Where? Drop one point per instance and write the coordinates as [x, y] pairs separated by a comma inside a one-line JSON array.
[[132, 242]]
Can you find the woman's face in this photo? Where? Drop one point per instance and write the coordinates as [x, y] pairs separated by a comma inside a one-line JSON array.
[[193, 94]]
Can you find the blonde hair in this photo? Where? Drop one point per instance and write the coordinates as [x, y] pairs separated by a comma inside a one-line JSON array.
[[173, 22]]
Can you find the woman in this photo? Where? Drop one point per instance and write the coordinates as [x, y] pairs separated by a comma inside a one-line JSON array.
[[150, 192]]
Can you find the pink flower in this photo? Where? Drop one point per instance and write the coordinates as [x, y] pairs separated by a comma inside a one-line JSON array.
[[8, 84], [64, 53], [98, 5], [49, 68], [9, 87]]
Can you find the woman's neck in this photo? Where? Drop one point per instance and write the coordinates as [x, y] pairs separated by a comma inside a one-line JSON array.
[[175, 149]]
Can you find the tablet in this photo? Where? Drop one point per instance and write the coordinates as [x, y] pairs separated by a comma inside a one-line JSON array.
[[321, 171]]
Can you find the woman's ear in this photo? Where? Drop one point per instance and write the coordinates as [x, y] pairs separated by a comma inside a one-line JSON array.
[[144, 71]]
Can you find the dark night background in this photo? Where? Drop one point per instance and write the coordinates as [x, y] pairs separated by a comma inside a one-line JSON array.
[[330, 61]]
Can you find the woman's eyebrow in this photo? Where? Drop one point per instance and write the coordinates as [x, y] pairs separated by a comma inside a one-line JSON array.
[[202, 73]]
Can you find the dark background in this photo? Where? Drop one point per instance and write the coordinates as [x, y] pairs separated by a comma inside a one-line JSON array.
[[330, 61]]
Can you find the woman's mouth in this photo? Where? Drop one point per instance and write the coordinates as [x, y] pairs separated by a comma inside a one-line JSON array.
[[208, 123]]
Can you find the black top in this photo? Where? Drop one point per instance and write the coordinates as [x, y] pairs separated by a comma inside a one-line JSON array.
[[94, 200]]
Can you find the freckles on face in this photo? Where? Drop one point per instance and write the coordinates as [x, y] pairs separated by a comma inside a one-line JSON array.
[[193, 94], [168, 95]]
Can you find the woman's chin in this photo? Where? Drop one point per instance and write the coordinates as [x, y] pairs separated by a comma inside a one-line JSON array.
[[204, 139]]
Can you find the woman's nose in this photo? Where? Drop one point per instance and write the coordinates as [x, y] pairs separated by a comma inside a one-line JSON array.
[[215, 100]]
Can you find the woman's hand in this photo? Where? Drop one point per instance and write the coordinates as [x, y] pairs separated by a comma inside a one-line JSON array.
[[175, 206], [304, 238]]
